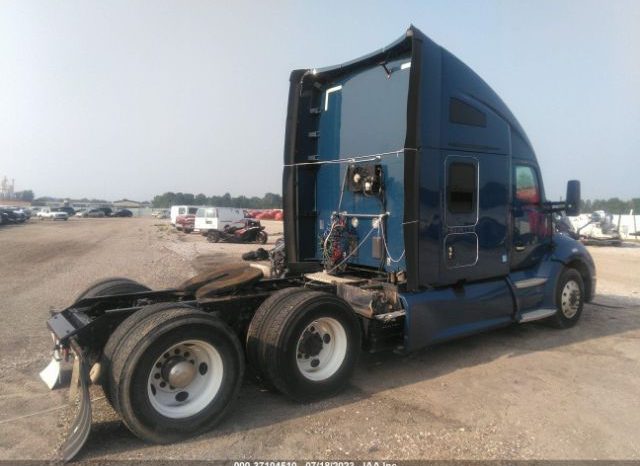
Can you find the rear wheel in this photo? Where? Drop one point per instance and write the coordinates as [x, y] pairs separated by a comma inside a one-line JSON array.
[[260, 319], [119, 333], [569, 299], [310, 345], [112, 286], [213, 237], [176, 374], [108, 287]]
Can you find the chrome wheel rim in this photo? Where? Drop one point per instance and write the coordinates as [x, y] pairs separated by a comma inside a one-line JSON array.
[[185, 379], [570, 299], [321, 349]]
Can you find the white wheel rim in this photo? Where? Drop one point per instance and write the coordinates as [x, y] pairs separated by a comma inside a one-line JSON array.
[[570, 299], [200, 387], [321, 349]]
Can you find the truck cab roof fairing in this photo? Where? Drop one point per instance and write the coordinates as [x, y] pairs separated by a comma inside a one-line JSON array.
[[436, 76]]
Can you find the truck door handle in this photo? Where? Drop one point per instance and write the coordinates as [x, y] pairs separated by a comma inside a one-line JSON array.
[[520, 247]]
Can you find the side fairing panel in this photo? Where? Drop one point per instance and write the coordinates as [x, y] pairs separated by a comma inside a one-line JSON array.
[[437, 315]]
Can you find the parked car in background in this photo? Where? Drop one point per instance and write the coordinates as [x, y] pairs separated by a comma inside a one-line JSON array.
[[185, 222], [9, 215], [69, 210], [20, 214], [217, 218], [52, 214], [181, 210], [94, 213], [122, 213], [22, 211]]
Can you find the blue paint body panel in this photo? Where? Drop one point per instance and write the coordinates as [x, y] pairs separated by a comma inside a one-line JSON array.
[[416, 98], [364, 113]]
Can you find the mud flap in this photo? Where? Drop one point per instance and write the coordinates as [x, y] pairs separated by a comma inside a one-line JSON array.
[[81, 426], [51, 375]]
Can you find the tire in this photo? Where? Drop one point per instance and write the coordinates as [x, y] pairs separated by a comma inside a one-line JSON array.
[[213, 237], [260, 318], [111, 286], [262, 237], [569, 299], [290, 338], [153, 411], [121, 331], [106, 287], [187, 231]]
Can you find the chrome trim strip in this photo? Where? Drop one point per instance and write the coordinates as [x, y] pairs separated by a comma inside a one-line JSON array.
[[530, 282], [536, 315]]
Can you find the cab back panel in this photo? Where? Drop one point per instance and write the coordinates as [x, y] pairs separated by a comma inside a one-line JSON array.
[[364, 114]]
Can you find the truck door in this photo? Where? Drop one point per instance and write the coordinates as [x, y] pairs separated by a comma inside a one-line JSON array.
[[531, 226], [475, 217]]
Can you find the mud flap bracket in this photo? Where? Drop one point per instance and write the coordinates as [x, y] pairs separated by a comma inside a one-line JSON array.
[[81, 426]]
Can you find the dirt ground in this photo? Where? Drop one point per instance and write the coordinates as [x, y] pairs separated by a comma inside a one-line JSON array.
[[524, 392]]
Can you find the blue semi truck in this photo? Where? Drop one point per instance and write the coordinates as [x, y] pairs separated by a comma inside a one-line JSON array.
[[414, 213]]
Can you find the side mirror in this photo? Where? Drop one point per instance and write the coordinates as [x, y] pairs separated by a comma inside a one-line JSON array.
[[573, 198]]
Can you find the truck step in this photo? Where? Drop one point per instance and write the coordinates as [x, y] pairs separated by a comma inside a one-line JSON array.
[[536, 315]]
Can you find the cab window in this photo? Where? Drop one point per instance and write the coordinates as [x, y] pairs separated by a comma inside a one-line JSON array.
[[527, 190]]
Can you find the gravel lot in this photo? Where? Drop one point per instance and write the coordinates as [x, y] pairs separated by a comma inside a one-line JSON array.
[[525, 392]]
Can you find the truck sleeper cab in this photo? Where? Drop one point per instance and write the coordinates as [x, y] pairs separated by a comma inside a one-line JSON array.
[[406, 165], [414, 213]]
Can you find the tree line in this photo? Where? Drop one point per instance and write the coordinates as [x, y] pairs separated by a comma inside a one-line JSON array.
[[26, 195], [613, 205], [42, 201], [268, 201]]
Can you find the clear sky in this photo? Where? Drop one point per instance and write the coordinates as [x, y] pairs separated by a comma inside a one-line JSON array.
[[130, 98]]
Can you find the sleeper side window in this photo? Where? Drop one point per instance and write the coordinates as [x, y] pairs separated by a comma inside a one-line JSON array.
[[461, 195]]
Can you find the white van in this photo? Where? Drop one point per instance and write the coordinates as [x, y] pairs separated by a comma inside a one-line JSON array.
[[181, 210], [216, 218]]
